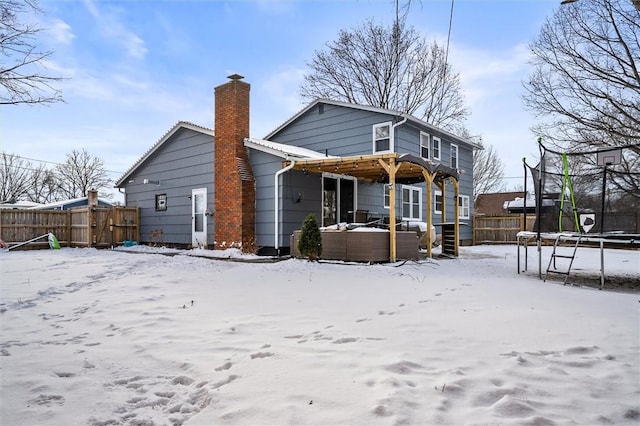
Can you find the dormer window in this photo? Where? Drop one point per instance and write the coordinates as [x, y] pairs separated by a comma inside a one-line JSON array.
[[382, 138]]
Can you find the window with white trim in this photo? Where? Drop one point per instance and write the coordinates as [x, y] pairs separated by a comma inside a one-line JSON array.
[[411, 202], [382, 137], [454, 156], [425, 144], [435, 150], [463, 207], [385, 196], [437, 201]]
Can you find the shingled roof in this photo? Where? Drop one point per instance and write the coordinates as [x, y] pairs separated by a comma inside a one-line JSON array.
[[494, 203]]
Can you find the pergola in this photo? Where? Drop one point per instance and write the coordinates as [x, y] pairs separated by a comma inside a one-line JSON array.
[[391, 168]]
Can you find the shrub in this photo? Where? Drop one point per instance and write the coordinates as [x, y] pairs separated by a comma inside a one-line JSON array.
[[310, 244]]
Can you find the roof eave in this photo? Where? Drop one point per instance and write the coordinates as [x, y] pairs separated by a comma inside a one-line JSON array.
[[179, 125], [379, 110]]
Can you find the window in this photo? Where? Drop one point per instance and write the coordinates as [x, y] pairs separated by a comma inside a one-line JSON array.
[[454, 156], [424, 145], [161, 202], [411, 201], [437, 202], [386, 196], [435, 152], [382, 137], [463, 206]]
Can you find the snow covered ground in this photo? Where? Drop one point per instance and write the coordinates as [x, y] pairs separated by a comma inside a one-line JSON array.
[[111, 337]]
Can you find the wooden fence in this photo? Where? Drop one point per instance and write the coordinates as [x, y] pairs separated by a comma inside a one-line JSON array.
[[500, 229], [100, 227]]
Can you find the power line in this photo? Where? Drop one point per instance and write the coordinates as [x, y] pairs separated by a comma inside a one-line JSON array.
[[51, 162]]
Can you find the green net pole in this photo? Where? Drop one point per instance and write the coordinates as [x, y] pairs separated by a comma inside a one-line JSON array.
[[566, 184], [565, 176]]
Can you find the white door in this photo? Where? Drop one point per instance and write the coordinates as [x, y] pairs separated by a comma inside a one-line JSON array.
[[198, 217]]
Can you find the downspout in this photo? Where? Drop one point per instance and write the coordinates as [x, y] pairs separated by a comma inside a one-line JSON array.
[[392, 196], [276, 211], [399, 123]]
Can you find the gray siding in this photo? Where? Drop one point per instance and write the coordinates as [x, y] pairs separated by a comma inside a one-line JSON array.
[[345, 131], [337, 131], [299, 195], [408, 141], [182, 163]]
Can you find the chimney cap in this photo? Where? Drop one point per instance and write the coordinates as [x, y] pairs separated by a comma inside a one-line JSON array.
[[235, 77]]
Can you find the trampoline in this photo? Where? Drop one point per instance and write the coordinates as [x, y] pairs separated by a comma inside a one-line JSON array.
[[603, 240]]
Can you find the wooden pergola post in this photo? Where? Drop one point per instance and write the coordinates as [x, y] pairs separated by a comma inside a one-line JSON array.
[[391, 171], [428, 178], [456, 213]]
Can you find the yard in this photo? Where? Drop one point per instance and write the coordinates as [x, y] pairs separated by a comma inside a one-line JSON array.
[[103, 337]]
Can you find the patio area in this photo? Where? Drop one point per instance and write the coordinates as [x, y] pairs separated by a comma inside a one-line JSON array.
[[362, 244]]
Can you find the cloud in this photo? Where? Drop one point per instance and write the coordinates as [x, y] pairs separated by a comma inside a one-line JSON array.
[[61, 32], [486, 73], [110, 23], [134, 45], [478, 64], [492, 85], [124, 90], [277, 100], [282, 87]]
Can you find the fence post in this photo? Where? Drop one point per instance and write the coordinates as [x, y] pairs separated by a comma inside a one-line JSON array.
[[474, 230], [137, 225], [69, 227]]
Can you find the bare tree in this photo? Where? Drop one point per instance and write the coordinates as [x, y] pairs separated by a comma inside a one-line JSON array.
[[488, 170], [586, 84], [23, 75], [388, 67], [15, 177], [44, 187], [80, 173]]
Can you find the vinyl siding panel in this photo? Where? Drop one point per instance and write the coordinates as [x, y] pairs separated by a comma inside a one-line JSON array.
[[182, 163], [338, 131], [299, 194]]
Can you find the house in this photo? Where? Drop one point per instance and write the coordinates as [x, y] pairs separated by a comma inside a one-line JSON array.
[[18, 204], [75, 202], [172, 185], [341, 161], [496, 203]]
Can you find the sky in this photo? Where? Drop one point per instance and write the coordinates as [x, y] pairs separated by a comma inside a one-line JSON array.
[[133, 69]]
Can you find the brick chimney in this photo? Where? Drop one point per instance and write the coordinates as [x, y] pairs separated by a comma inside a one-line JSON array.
[[92, 198], [233, 177]]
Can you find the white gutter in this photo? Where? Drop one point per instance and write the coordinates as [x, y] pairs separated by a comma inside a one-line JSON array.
[[276, 210], [393, 127], [399, 123]]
